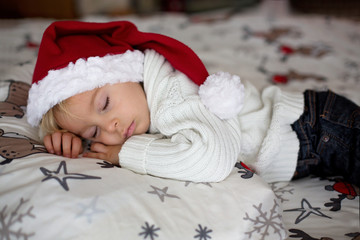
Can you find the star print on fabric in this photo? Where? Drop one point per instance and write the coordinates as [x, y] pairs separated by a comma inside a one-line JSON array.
[[149, 231], [187, 183], [203, 233], [61, 175], [89, 210], [162, 193], [306, 209]]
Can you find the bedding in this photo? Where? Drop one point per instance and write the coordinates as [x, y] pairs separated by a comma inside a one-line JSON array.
[[43, 196]]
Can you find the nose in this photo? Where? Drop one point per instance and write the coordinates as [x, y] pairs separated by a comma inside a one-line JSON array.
[[112, 125]]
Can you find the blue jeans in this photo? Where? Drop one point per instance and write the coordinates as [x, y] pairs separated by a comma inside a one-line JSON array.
[[329, 134]]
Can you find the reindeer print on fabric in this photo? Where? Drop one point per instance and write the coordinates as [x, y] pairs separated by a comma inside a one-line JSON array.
[[14, 146], [290, 75], [271, 35], [345, 190], [317, 50], [16, 100]]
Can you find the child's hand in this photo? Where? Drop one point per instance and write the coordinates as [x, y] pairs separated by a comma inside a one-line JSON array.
[[63, 143], [104, 152]]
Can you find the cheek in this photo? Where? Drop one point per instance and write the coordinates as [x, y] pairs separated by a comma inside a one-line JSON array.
[[146, 123], [68, 123], [63, 121], [111, 139]]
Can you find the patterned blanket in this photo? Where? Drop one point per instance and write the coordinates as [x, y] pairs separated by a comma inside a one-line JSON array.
[[50, 197]]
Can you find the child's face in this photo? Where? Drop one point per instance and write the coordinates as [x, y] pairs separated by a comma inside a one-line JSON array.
[[110, 114]]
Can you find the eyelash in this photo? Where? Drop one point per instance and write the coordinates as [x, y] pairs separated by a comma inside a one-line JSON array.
[[106, 103], [95, 132]]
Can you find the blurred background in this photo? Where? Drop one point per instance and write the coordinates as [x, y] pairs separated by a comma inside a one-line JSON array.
[[70, 9]]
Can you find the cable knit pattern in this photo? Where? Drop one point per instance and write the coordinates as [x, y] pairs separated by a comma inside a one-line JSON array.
[[188, 142]]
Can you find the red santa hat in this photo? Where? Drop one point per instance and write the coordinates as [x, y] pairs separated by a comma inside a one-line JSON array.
[[75, 57]]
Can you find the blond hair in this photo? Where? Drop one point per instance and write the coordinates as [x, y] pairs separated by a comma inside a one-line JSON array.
[[48, 124]]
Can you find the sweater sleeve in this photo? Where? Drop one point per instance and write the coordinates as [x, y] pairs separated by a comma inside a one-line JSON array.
[[193, 149], [190, 143]]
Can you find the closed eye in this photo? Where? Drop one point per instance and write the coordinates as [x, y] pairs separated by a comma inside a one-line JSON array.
[[95, 132], [91, 133], [106, 103]]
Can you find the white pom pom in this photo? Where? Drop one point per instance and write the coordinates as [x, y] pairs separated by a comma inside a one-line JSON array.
[[223, 94]]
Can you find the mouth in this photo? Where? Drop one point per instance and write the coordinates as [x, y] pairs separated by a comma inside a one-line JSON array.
[[130, 130]]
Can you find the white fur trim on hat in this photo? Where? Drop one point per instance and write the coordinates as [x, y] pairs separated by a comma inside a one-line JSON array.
[[81, 76], [223, 94]]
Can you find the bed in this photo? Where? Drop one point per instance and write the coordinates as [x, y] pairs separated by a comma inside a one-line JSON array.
[[43, 196]]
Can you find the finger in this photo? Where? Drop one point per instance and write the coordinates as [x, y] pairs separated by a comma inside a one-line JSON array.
[[48, 144], [56, 142], [76, 147], [66, 144]]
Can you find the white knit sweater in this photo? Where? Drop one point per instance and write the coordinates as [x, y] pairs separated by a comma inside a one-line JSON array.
[[188, 142]]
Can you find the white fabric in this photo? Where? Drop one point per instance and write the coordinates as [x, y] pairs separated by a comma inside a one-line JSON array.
[[82, 76], [223, 94], [193, 144]]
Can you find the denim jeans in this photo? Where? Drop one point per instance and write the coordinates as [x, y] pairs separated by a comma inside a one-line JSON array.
[[329, 134]]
